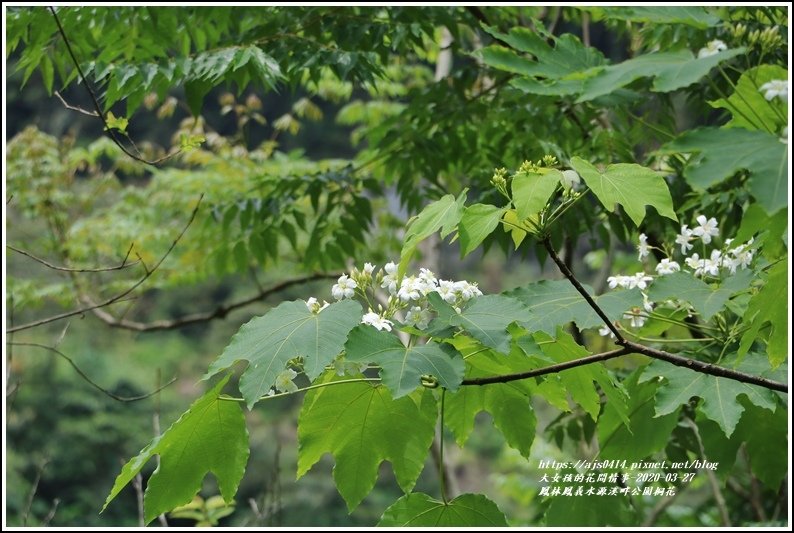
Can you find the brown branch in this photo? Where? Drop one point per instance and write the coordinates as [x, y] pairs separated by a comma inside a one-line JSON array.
[[551, 369], [119, 296], [706, 368], [219, 312], [124, 263], [578, 286], [85, 376], [97, 107]]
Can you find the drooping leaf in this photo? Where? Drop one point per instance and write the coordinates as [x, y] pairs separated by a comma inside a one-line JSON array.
[[556, 303], [361, 425], [720, 396], [402, 367], [420, 510], [748, 107], [645, 435], [706, 300], [768, 306], [669, 70], [288, 331], [507, 403], [532, 190], [209, 437], [632, 186], [477, 222], [486, 318], [443, 215], [579, 381], [723, 152]]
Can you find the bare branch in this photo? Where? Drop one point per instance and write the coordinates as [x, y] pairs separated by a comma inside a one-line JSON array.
[[51, 514], [551, 369], [124, 263], [89, 380], [219, 312], [706, 368], [75, 108], [116, 298], [97, 107], [715, 485], [33, 489]]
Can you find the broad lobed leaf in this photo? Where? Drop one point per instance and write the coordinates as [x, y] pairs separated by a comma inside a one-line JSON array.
[[421, 510]]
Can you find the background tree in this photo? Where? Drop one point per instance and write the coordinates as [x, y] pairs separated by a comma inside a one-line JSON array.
[[243, 144]]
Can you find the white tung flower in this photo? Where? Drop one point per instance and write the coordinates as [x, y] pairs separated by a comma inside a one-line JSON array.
[[604, 331], [314, 306], [412, 288], [707, 229], [775, 88], [696, 264], [636, 317], [419, 317], [390, 279], [712, 47], [642, 247], [711, 266], [619, 281], [570, 179], [377, 321], [683, 239], [344, 287], [368, 268], [667, 267], [284, 381], [446, 289], [467, 290], [639, 280], [428, 278]]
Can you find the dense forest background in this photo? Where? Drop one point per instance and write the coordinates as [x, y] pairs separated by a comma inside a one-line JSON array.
[[378, 112]]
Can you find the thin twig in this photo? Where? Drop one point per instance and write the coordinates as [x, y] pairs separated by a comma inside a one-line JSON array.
[[137, 483], [116, 298], [86, 378], [76, 108], [219, 312], [51, 514], [33, 489], [95, 101], [661, 506], [124, 263]]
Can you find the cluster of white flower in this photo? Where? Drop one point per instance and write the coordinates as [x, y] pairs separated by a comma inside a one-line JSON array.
[[726, 258], [775, 88], [712, 47], [408, 295]]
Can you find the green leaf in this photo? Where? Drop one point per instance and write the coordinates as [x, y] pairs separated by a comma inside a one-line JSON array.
[[116, 123], [486, 318], [286, 332], [749, 108], [631, 186], [590, 511], [507, 403], [443, 214], [723, 152], [477, 222], [578, 381], [720, 396], [669, 70], [766, 435], [694, 16], [768, 306], [531, 191], [645, 435], [47, 72], [705, 299], [556, 303], [190, 142], [361, 425], [402, 367], [420, 510], [568, 55], [209, 437]]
